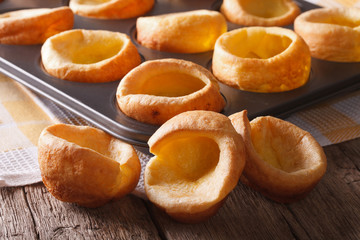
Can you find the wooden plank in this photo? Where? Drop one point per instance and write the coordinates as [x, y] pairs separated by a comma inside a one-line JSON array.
[[330, 211], [123, 219], [245, 215], [15, 217]]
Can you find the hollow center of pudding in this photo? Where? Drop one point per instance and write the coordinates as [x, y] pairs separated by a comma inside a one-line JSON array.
[[171, 84], [256, 44], [92, 2], [265, 9], [281, 147], [186, 160], [85, 138], [339, 20], [87, 48], [96, 51]]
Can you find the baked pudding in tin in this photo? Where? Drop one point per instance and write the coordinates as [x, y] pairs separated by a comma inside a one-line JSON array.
[[111, 9], [283, 161], [34, 26], [183, 32], [332, 34], [157, 90], [260, 12], [84, 165], [262, 59], [198, 159], [89, 55]]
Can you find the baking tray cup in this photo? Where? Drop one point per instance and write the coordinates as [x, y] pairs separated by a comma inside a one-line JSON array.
[[96, 102]]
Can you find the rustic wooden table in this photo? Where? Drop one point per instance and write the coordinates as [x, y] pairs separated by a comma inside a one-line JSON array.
[[331, 211]]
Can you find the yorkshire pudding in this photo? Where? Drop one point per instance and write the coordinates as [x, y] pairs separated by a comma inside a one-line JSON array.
[[184, 32], [262, 59], [157, 90], [198, 160], [332, 34], [85, 165], [34, 26], [89, 55], [111, 9], [260, 12], [283, 162]]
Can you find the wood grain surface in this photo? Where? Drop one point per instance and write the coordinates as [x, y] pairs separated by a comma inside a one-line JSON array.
[[330, 211]]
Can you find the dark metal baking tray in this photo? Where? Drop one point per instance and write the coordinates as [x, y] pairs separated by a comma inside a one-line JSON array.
[[96, 102]]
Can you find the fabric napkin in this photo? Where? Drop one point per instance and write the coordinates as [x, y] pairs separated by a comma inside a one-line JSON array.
[[22, 118]]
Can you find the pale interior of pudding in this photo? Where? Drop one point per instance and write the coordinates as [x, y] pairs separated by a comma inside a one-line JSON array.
[[171, 84], [88, 48], [339, 20], [92, 2], [280, 148], [184, 164], [265, 8], [85, 139], [256, 44]]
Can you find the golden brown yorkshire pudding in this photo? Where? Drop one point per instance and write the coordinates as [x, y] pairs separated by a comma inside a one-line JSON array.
[[283, 162], [85, 165], [332, 33], [34, 26], [262, 59], [111, 9], [157, 90], [198, 160], [89, 55], [184, 32], [260, 12]]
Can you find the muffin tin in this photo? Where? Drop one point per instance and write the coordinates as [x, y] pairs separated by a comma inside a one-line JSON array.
[[96, 101]]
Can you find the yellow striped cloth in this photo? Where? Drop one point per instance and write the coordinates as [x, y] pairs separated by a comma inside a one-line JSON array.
[[23, 116], [333, 121]]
